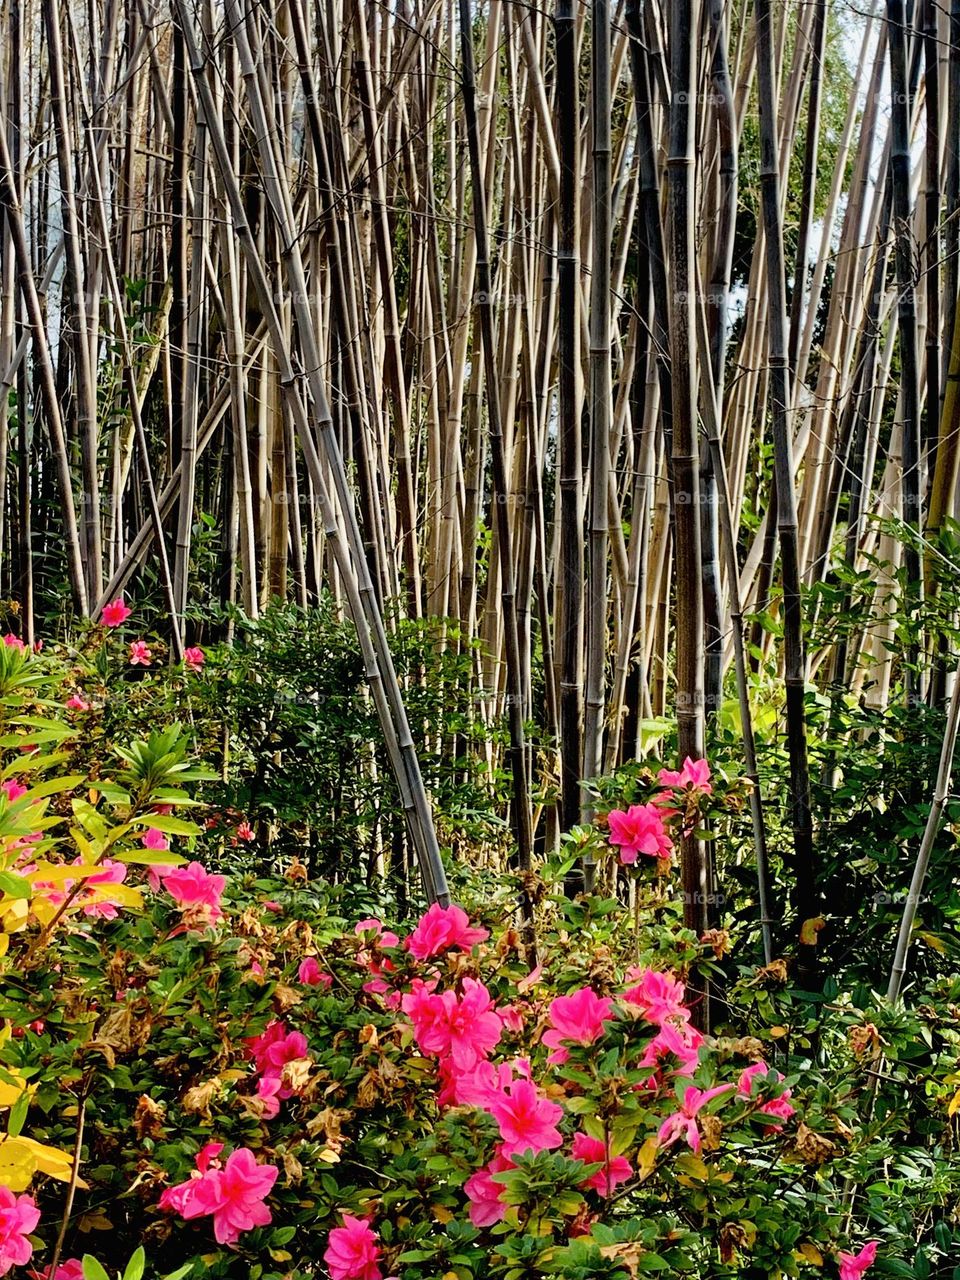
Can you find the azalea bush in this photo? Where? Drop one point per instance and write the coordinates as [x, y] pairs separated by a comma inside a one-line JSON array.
[[219, 1071]]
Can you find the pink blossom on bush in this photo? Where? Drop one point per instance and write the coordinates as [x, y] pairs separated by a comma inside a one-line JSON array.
[[277, 1046], [245, 831], [13, 642], [140, 654], [658, 995], [18, 1217], [153, 838], [234, 1196], [463, 1029], [353, 1251], [680, 1042], [441, 928], [695, 773], [72, 1269], [76, 703], [482, 1085], [383, 937], [483, 1192], [527, 1121], [311, 975], [639, 829], [578, 1018], [194, 658], [683, 1123], [115, 613], [615, 1169], [193, 886], [13, 789], [779, 1108], [853, 1265], [269, 1089], [175, 1199], [104, 908]]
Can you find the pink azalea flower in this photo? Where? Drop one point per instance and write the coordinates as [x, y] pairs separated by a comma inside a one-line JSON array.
[[76, 703], [683, 1123], [72, 1269], [13, 789], [464, 1028], [193, 886], [194, 658], [18, 1217], [681, 1042], [110, 873], [269, 1088], [659, 996], [245, 831], [115, 613], [853, 1265], [578, 1018], [234, 1196], [441, 928], [484, 1192], [615, 1169], [383, 938], [152, 838], [511, 1015], [140, 654], [481, 1086], [779, 1108], [175, 1199], [277, 1046], [695, 773], [311, 975], [13, 642], [353, 1251], [527, 1121], [639, 829]]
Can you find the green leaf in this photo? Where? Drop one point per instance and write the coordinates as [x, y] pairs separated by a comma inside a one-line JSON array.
[[14, 886], [18, 1115], [166, 822], [151, 858], [136, 1265], [92, 1269]]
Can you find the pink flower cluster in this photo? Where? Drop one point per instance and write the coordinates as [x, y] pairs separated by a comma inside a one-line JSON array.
[[94, 898], [459, 1030], [271, 1052], [231, 1193], [853, 1265], [578, 1019], [642, 827], [442, 928], [194, 889], [659, 998], [18, 1217], [353, 1251], [752, 1085]]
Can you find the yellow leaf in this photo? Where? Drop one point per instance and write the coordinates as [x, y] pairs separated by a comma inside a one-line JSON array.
[[12, 1090], [4, 944], [954, 1106], [933, 941], [18, 1164], [121, 894], [809, 1253], [49, 1160], [810, 929], [693, 1167], [777, 1032], [647, 1158]]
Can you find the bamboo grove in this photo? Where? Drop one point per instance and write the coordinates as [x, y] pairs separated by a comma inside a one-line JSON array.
[[604, 331]]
